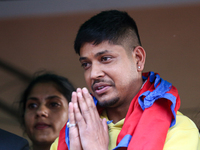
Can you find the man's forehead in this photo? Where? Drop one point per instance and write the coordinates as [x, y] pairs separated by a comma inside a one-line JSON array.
[[94, 54], [94, 48]]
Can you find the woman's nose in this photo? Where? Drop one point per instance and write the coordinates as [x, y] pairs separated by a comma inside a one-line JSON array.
[[42, 111]]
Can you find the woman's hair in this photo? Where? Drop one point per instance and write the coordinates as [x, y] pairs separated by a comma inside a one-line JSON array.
[[61, 83]]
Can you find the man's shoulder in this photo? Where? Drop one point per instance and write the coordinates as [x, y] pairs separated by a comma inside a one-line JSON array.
[[183, 135], [11, 141], [5, 135], [183, 122]]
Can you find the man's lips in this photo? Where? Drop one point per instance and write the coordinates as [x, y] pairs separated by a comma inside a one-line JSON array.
[[41, 126], [100, 88]]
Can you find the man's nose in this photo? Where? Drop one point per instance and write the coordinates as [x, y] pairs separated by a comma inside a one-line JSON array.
[[96, 71]]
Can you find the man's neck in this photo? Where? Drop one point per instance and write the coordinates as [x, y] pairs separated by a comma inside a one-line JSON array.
[[116, 114]]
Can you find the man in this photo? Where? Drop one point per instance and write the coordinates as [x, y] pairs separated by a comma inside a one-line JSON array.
[[141, 109], [10, 141]]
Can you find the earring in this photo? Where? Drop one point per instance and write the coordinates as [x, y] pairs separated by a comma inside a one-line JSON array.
[[138, 67]]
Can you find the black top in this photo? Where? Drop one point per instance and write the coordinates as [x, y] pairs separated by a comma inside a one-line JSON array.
[[10, 141]]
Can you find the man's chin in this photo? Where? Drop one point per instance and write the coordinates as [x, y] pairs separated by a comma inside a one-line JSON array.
[[107, 103]]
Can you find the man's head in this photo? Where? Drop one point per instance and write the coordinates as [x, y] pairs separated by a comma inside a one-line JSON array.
[[111, 55], [114, 26]]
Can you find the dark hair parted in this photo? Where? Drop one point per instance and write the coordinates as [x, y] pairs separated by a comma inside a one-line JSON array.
[[62, 84], [113, 26]]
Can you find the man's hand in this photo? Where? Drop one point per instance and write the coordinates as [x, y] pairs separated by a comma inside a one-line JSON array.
[[75, 143], [92, 130]]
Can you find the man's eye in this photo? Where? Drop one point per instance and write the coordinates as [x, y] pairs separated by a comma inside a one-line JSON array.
[[85, 65], [105, 58], [32, 105]]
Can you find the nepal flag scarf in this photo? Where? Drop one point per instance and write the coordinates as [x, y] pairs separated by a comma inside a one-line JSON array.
[[151, 113]]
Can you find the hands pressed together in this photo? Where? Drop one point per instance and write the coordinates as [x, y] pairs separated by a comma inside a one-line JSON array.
[[90, 132]]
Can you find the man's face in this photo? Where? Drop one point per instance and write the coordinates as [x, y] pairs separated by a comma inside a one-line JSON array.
[[111, 73]]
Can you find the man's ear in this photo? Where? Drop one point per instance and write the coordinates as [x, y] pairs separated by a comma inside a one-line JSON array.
[[140, 56]]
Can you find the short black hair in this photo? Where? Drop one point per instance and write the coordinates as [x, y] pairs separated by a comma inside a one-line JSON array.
[[112, 26], [62, 84]]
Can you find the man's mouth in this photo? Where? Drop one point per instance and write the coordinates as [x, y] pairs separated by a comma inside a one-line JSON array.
[[100, 88]]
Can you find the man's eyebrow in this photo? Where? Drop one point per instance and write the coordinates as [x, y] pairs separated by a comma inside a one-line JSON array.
[[96, 55], [82, 58], [100, 53]]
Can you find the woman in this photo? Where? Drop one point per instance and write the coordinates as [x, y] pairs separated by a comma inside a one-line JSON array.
[[44, 109]]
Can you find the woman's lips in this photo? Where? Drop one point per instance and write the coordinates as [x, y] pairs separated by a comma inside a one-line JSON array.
[[41, 126]]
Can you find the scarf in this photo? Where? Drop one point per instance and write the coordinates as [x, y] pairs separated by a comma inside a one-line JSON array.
[[151, 112]]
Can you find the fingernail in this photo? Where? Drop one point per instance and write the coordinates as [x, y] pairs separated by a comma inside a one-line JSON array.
[[78, 89], [85, 90], [73, 93], [79, 94]]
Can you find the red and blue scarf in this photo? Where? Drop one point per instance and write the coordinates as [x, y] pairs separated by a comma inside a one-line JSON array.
[[151, 113]]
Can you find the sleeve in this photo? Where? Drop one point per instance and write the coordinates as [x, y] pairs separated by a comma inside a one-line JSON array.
[[25, 145], [184, 135], [54, 145]]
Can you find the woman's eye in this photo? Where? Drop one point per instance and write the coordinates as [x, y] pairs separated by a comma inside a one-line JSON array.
[[54, 104], [32, 105]]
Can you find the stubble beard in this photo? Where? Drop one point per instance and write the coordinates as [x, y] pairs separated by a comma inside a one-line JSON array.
[[108, 103]]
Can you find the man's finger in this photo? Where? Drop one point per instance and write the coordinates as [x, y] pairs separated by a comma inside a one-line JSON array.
[[83, 107], [91, 106]]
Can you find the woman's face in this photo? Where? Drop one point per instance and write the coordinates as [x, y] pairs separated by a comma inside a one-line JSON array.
[[46, 113]]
